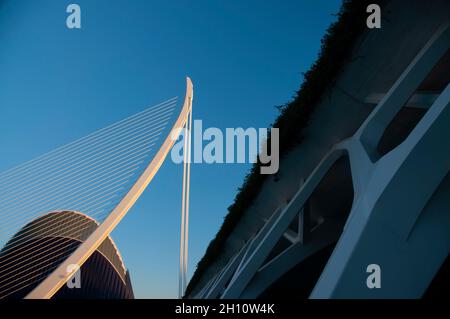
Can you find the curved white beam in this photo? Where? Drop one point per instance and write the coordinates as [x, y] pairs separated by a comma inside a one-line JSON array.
[[47, 288]]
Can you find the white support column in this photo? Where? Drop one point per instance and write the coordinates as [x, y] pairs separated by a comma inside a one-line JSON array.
[[184, 236], [372, 129], [403, 182], [274, 229], [183, 223], [323, 236]]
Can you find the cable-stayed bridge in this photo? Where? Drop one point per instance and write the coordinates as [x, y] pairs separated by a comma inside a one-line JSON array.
[[99, 176]]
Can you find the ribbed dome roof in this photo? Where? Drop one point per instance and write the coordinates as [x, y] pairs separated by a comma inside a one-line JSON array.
[[68, 224]]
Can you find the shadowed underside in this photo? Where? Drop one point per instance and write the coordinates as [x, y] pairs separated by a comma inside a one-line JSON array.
[[26, 263]]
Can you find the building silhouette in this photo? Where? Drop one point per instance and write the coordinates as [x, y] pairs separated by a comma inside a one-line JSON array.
[[40, 246]]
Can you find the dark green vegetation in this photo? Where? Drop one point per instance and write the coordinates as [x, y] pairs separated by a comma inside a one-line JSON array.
[[294, 116]]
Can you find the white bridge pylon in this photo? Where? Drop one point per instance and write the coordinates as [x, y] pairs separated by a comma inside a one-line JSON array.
[[184, 238], [50, 285]]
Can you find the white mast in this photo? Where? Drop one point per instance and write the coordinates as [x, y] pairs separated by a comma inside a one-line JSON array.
[[184, 238]]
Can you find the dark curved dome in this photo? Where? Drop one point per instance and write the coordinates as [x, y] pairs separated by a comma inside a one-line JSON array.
[[40, 246]]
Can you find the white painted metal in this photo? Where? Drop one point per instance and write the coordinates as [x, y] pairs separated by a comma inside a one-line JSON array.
[[184, 238], [59, 277]]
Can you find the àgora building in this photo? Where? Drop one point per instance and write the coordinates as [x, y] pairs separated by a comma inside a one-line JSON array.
[[40, 246]]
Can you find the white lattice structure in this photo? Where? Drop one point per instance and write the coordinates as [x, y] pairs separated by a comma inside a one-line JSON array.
[[399, 217]]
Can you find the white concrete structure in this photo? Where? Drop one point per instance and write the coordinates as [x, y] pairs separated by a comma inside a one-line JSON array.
[[399, 217]]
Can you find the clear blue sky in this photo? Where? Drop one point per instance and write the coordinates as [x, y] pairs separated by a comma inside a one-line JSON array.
[[57, 84]]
